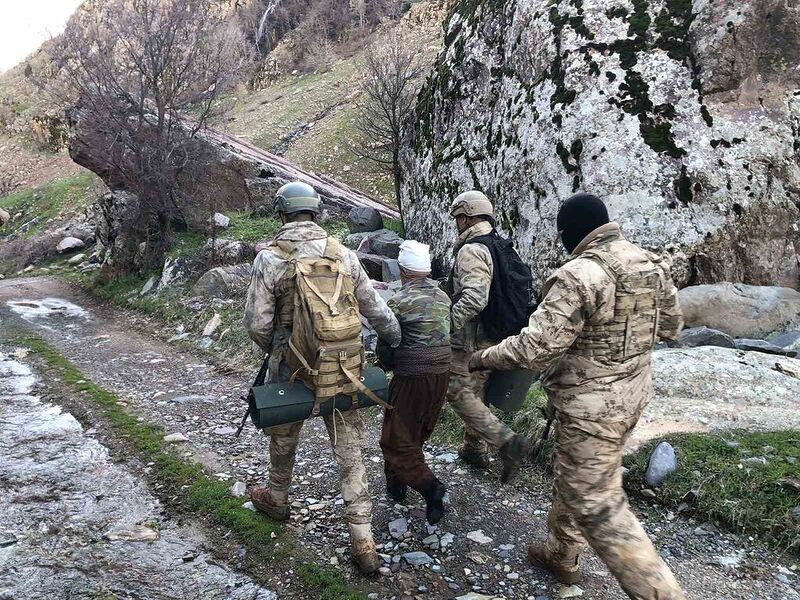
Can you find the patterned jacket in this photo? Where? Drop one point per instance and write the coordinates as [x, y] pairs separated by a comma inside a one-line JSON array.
[[265, 286], [579, 294], [424, 314], [470, 281]]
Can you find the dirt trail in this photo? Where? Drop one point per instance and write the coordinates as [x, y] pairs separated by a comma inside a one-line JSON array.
[[186, 394]]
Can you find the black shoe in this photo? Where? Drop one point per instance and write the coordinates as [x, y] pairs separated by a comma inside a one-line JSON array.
[[474, 458], [397, 492], [512, 453], [434, 496]]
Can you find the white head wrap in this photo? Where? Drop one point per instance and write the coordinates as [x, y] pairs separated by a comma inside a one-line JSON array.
[[415, 257]]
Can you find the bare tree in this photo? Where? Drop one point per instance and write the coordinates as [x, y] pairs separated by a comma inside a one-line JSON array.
[[392, 70], [147, 76]]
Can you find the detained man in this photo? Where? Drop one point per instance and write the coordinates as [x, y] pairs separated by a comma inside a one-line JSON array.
[[421, 367]]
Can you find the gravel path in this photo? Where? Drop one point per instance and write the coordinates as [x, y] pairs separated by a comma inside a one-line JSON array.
[[187, 395]]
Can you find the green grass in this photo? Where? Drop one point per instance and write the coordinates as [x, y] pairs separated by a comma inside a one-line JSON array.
[[44, 203], [186, 243], [745, 497], [198, 494], [247, 229], [395, 225]]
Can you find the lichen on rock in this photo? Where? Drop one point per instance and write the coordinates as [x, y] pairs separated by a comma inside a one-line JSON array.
[[674, 111]]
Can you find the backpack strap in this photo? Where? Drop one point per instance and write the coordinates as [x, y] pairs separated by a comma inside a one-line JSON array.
[[362, 388]]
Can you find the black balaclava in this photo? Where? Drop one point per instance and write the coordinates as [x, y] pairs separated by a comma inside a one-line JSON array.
[[578, 217]]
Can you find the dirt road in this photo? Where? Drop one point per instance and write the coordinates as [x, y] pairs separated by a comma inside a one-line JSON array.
[[187, 395]]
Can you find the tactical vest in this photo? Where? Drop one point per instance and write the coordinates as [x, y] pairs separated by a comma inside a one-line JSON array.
[[633, 329]]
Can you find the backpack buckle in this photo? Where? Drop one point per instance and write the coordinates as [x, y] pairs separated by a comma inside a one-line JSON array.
[[343, 355]]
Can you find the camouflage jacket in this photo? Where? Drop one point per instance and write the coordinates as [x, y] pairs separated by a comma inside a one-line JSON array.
[[424, 314], [265, 286], [582, 293], [469, 285]]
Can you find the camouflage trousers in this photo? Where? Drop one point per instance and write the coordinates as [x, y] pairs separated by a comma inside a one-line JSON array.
[[465, 394], [589, 505], [346, 435]]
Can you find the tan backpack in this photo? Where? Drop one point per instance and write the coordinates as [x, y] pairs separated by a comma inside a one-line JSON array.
[[325, 347]]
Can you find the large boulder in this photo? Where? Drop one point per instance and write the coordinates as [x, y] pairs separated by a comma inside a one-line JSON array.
[[743, 311], [5, 218], [364, 218], [223, 282], [692, 337], [235, 176], [682, 115], [709, 388], [383, 242]]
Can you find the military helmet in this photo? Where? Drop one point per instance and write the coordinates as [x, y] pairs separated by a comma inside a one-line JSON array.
[[297, 196], [472, 204]]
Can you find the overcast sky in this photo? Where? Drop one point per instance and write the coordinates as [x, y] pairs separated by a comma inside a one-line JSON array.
[[25, 24]]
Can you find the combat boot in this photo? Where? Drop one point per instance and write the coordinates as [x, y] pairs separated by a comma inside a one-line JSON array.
[[512, 453], [363, 548], [264, 502], [474, 458], [434, 498], [538, 556]]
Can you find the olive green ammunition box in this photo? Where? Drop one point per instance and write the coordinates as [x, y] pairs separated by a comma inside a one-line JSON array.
[[280, 403]]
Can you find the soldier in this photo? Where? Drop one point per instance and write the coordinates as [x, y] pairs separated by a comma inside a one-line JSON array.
[[593, 333], [469, 285], [421, 367], [268, 318]]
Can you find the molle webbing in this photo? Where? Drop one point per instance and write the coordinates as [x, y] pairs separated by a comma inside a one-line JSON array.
[[634, 326]]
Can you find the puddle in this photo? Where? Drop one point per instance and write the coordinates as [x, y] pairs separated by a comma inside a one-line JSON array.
[[76, 525], [47, 307]]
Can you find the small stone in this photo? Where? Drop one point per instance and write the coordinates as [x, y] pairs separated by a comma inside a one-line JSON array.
[[398, 528], [662, 462], [512, 576], [729, 561], [648, 493], [238, 489], [225, 431], [479, 537], [385, 571], [212, 325], [446, 540], [147, 287], [68, 244], [77, 259], [572, 591], [7, 539], [175, 438], [139, 533], [220, 221], [417, 559], [249, 506]]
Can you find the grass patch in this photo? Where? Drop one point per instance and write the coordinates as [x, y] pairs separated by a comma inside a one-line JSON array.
[[40, 205], [196, 491], [395, 225], [740, 480], [186, 243], [247, 229]]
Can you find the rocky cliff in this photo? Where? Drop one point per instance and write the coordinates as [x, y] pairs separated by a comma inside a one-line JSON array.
[[684, 115]]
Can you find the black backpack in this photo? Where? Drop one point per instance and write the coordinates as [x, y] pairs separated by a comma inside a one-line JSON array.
[[511, 294]]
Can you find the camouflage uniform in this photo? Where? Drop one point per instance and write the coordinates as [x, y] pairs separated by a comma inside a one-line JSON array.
[[421, 365], [272, 336], [470, 282], [598, 381]]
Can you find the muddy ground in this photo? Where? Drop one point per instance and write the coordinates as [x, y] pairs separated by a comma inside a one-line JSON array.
[[186, 394]]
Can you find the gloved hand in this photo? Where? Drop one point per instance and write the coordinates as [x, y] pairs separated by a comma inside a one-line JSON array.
[[476, 362]]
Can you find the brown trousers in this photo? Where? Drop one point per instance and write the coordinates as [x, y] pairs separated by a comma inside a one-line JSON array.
[[417, 402]]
